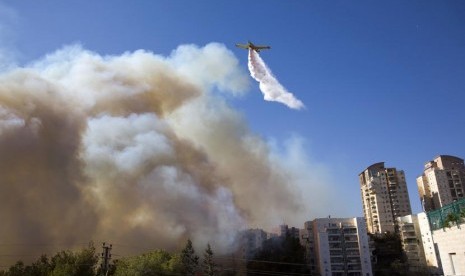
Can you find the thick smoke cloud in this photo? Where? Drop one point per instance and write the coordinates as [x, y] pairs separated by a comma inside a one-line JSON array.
[[136, 149], [272, 90]]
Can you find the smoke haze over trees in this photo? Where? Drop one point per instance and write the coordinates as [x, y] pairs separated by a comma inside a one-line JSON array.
[[140, 147]]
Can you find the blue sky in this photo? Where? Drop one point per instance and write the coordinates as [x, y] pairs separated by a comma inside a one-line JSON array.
[[381, 81]]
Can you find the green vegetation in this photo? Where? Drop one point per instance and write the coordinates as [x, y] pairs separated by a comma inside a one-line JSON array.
[[391, 259], [279, 255], [283, 254], [462, 213], [158, 262], [189, 260], [450, 219], [209, 267], [388, 254], [64, 263], [86, 262]]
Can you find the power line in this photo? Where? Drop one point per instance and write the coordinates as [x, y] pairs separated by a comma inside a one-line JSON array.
[[260, 261]]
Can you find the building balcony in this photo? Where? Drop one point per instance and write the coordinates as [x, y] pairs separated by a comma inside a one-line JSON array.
[[353, 253], [334, 253], [409, 236], [334, 239], [352, 230], [341, 262], [407, 227], [411, 248], [410, 241], [336, 271], [354, 261]]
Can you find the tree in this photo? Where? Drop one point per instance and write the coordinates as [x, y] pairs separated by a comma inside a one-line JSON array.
[[79, 263], [40, 267], [451, 218], [209, 267], [388, 253], [64, 263], [158, 262], [16, 270], [189, 260], [279, 255]]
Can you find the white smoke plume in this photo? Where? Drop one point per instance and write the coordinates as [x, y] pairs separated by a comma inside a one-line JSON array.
[[136, 149], [269, 85]]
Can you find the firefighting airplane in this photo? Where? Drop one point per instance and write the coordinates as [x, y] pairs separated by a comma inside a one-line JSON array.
[[252, 46]]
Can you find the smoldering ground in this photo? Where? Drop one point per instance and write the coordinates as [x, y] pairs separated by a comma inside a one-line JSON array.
[[136, 149]]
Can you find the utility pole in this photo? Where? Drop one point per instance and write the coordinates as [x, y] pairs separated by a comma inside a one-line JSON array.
[[106, 256]]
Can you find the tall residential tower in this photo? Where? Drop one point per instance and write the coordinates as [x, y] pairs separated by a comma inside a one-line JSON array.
[[442, 182], [384, 196]]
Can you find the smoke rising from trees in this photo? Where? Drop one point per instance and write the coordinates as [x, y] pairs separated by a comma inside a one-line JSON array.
[[135, 149]]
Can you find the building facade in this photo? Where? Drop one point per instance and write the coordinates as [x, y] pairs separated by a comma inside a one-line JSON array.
[[430, 249], [285, 230], [384, 196], [410, 237], [250, 242], [340, 246], [448, 232], [307, 239], [442, 182]]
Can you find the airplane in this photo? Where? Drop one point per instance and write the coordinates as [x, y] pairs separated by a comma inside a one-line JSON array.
[[252, 46]]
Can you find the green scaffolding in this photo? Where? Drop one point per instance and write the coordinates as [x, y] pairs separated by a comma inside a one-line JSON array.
[[447, 215]]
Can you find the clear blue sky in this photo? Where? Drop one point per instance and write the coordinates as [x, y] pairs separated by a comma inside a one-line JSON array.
[[382, 81]]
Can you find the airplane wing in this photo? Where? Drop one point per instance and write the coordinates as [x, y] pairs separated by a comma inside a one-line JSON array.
[[242, 46], [262, 47]]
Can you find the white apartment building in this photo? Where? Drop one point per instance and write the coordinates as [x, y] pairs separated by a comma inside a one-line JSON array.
[[430, 249], [442, 182], [384, 196], [340, 246], [410, 237]]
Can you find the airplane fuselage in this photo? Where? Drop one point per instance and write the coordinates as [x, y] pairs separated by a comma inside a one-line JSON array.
[[252, 46]]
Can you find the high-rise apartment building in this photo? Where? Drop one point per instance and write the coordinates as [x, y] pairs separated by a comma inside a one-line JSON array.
[[384, 196], [338, 246], [442, 182]]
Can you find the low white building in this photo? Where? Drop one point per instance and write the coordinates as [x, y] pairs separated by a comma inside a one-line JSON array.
[[448, 232], [451, 247]]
